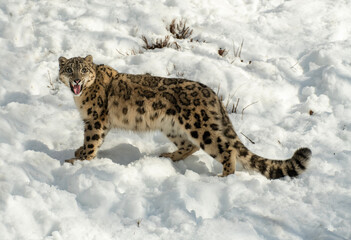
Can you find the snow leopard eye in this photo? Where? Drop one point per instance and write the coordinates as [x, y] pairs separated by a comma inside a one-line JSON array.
[[84, 70], [69, 70]]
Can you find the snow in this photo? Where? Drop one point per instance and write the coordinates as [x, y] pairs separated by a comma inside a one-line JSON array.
[[300, 55]]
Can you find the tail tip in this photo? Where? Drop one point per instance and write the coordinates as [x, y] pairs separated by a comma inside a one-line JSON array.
[[301, 158], [305, 153]]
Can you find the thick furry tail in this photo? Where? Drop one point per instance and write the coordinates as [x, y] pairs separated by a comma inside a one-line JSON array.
[[274, 169]]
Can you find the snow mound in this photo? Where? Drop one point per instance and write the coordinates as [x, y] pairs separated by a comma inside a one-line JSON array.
[[292, 84]]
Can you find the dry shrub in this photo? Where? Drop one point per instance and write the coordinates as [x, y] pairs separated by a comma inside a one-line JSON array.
[[159, 43], [179, 29]]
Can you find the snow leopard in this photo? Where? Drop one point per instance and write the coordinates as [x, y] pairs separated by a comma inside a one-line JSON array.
[[188, 112]]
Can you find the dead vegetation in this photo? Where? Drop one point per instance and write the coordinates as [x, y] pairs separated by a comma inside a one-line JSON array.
[[179, 29], [139, 222], [222, 52], [159, 43], [247, 138], [132, 52], [174, 70], [237, 51], [197, 40], [242, 111], [235, 105], [53, 85]]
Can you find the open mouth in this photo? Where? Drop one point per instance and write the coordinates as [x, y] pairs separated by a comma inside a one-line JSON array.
[[76, 88]]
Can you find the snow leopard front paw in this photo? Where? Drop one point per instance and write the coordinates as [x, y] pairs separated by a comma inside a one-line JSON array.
[[79, 152]]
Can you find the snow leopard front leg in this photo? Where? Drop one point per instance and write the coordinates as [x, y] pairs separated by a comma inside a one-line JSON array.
[[94, 134]]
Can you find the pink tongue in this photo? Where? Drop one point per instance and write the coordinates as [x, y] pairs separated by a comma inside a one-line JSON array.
[[76, 89]]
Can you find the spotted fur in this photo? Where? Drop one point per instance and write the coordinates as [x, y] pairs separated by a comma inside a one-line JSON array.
[[187, 112]]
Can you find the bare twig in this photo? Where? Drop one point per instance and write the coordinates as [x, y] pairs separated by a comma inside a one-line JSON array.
[[139, 222], [242, 111], [219, 87], [237, 51], [248, 138], [293, 66], [239, 88], [241, 47], [51, 83], [54, 88], [229, 98], [120, 52], [235, 106]]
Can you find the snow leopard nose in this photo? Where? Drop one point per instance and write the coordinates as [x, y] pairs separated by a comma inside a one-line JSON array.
[[77, 81]]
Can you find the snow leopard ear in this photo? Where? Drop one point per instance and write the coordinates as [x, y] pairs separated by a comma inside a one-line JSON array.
[[62, 61], [89, 59]]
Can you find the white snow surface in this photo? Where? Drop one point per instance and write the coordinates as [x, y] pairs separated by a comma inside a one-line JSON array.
[[300, 53]]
